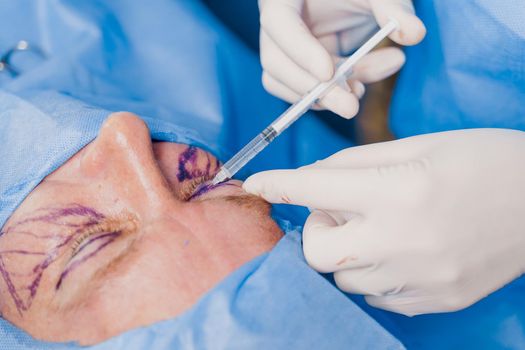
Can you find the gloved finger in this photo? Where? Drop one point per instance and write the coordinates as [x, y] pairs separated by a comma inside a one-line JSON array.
[[365, 281], [411, 30], [341, 102], [372, 155], [343, 41], [400, 304], [357, 87], [281, 20], [378, 65], [281, 91], [355, 190], [278, 89], [417, 302], [327, 245], [283, 69], [280, 66]]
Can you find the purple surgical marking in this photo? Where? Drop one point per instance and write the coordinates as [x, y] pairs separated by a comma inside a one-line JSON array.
[[11, 287], [188, 167], [206, 187], [51, 219], [23, 252], [110, 238], [94, 239], [60, 213], [189, 156]]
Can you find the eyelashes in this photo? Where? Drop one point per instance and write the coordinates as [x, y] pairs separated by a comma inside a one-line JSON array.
[[123, 224], [190, 187]]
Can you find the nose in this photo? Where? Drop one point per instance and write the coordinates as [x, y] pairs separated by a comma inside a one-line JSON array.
[[122, 157]]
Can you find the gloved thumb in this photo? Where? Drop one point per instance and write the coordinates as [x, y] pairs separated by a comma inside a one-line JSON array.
[[328, 189], [411, 30]]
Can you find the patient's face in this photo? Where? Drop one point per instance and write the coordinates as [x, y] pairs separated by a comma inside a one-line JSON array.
[[122, 235]]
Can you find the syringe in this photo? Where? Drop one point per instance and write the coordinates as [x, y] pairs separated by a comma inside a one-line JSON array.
[[295, 111]]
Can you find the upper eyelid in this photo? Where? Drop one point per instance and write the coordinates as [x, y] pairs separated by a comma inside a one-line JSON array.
[[188, 188], [125, 222]]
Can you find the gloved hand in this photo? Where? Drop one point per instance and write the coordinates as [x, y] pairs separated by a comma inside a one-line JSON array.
[[301, 39], [425, 224]]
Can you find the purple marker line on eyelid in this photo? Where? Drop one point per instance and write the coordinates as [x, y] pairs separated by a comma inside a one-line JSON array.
[[78, 262], [207, 187], [94, 239]]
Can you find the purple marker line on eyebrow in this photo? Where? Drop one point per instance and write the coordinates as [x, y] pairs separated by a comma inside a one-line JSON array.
[[94, 239]]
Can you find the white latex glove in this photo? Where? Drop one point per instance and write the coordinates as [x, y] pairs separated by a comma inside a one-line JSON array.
[[425, 224], [301, 40]]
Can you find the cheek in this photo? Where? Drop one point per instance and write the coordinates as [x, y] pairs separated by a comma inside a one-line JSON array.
[[158, 276], [146, 289], [239, 233]]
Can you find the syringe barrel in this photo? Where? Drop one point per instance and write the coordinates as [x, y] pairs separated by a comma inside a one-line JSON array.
[[256, 145], [300, 107]]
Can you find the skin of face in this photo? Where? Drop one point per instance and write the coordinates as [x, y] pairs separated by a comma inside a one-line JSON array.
[[109, 241]]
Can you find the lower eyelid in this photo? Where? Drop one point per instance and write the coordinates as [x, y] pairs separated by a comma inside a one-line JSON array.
[[115, 262], [213, 188]]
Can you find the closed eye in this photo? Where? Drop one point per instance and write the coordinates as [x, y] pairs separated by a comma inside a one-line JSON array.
[[90, 242], [106, 228], [190, 188]]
